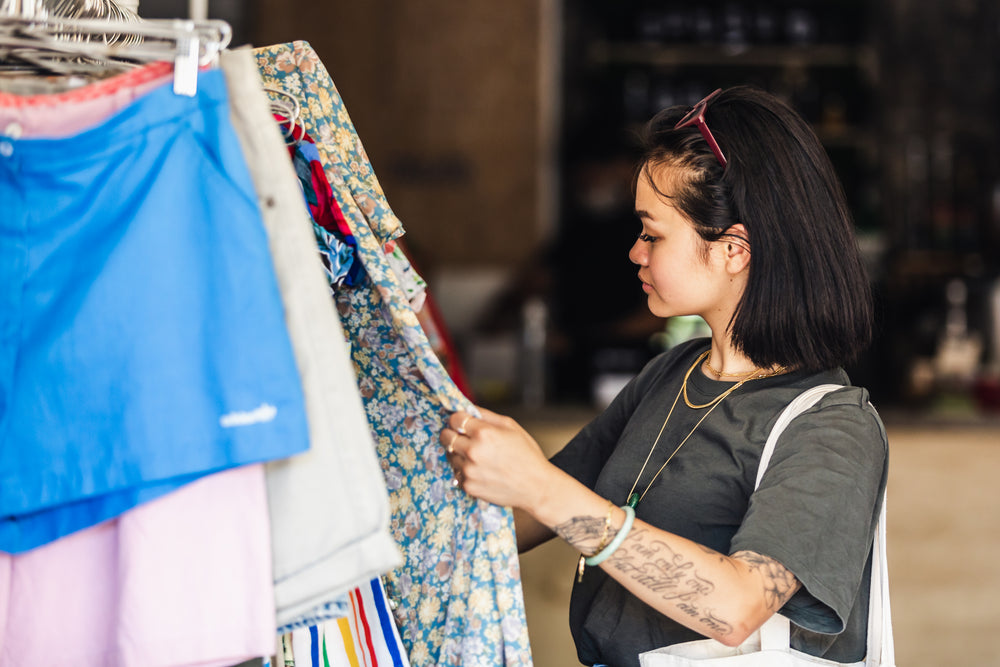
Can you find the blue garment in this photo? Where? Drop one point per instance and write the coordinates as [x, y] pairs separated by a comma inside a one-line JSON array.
[[142, 333]]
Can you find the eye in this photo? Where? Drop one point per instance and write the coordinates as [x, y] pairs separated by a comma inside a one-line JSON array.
[[646, 238]]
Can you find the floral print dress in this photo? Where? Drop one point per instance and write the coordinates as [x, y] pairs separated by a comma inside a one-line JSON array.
[[458, 592]]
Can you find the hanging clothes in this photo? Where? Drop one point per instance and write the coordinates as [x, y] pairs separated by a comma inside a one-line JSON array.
[[64, 114], [329, 507], [458, 591], [337, 246], [182, 580], [365, 637], [142, 329]]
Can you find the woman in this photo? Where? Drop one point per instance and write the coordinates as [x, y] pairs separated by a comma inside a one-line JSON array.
[[744, 224]]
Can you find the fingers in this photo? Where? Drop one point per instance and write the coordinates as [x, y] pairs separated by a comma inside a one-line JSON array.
[[448, 438], [457, 438], [492, 417], [460, 422]]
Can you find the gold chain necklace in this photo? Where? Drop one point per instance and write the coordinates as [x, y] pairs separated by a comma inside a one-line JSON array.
[[708, 363], [633, 497], [752, 375]]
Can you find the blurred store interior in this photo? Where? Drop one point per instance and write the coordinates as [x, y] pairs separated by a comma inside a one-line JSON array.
[[502, 134]]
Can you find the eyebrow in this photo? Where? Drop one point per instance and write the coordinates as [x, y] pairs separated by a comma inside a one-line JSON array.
[[642, 214]]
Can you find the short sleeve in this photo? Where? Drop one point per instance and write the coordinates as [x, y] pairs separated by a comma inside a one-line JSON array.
[[817, 505], [585, 455]]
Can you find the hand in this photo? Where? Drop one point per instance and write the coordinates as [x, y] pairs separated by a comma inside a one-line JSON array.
[[495, 459]]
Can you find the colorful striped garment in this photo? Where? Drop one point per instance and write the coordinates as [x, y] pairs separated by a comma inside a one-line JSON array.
[[366, 637]]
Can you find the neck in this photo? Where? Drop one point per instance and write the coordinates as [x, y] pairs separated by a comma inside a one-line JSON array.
[[726, 363]]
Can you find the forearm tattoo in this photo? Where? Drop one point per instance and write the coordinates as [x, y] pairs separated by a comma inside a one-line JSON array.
[[652, 564], [582, 532]]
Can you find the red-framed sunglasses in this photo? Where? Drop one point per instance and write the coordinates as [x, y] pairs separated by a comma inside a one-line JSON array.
[[696, 117]]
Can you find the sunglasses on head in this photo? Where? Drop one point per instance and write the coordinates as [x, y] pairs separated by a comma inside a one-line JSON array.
[[696, 117]]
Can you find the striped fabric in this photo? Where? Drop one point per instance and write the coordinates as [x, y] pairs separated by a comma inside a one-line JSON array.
[[366, 637]]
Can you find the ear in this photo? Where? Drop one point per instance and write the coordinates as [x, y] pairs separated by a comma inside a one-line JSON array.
[[736, 243]]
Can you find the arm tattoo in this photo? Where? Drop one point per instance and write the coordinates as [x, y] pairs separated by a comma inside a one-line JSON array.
[[779, 584], [582, 532], [658, 568]]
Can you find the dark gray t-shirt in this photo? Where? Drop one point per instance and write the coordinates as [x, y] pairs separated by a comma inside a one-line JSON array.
[[815, 510]]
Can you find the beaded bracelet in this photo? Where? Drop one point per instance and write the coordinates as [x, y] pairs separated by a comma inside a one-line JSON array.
[[600, 557]]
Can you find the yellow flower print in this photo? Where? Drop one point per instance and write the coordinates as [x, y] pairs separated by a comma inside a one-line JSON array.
[[437, 635], [405, 498], [343, 137], [458, 608], [494, 544], [419, 654], [441, 537], [479, 601], [408, 459], [420, 484], [428, 610], [505, 599], [481, 569], [447, 515], [395, 505]]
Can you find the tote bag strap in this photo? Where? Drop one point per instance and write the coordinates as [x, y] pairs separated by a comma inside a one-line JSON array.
[[775, 633]]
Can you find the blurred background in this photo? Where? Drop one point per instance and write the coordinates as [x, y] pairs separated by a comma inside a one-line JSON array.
[[503, 136]]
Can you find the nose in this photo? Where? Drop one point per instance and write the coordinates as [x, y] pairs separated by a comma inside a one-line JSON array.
[[638, 253]]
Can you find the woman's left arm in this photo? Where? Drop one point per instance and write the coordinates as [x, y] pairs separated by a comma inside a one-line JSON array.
[[723, 597]]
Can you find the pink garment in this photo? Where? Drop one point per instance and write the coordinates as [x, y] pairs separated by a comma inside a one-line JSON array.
[[182, 580], [70, 112]]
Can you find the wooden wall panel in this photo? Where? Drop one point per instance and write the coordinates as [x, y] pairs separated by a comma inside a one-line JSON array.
[[445, 96]]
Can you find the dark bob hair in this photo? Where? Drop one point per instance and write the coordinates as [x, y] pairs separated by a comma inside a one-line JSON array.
[[807, 302]]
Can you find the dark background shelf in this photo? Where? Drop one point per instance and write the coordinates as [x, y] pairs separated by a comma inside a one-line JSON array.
[[904, 99]]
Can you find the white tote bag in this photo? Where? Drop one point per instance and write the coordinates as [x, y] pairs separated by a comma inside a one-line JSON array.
[[769, 646]]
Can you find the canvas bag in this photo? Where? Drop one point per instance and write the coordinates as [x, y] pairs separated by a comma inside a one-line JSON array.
[[769, 647]]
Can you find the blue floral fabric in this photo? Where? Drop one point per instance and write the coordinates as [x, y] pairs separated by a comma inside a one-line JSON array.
[[458, 592]]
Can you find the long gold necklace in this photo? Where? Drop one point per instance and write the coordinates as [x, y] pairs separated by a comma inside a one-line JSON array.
[[633, 497]]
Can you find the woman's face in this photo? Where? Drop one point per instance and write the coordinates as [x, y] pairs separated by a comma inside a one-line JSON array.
[[677, 275]]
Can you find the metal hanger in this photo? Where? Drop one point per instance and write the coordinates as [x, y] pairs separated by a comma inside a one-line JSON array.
[[287, 105], [88, 36]]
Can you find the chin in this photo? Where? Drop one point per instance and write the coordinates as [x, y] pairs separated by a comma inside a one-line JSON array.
[[659, 309]]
